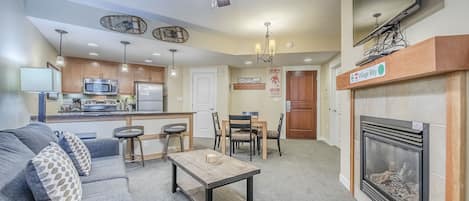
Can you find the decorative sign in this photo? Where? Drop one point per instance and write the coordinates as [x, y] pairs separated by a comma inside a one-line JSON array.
[[124, 23], [172, 34], [378, 70], [249, 80], [275, 84]]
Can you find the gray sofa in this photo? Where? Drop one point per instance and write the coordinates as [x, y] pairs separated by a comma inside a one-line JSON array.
[[108, 180]]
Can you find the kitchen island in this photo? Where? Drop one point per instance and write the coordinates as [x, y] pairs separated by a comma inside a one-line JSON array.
[[103, 123]]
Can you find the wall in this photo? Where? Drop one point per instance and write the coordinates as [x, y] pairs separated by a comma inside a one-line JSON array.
[[21, 44], [269, 108], [446, 21]]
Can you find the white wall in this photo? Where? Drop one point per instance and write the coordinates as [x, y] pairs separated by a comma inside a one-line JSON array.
[[449, 20], [21, 44]]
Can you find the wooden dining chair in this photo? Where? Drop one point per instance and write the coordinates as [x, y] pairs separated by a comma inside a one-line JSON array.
[[217, 130], [272, 135], [243, 126]]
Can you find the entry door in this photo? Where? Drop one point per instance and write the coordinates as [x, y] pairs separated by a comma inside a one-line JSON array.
[[333, 110], [203, 102], [301, 104]]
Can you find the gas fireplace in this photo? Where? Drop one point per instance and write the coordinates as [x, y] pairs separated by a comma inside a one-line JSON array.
[[394, 159]]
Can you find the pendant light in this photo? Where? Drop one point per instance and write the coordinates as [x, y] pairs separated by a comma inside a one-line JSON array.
[[172, 71], [125, 67], [60, 61]]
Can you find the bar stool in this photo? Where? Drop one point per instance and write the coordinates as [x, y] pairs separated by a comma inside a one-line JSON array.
[[130, 132], [174, 130]]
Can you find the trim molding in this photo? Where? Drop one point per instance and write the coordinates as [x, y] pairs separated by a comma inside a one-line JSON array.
[[344, 181]]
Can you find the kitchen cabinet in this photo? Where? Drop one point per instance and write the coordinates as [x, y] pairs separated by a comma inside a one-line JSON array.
[[126, 82], [72, 78], [142, 74], [77, 69], [157, 75]]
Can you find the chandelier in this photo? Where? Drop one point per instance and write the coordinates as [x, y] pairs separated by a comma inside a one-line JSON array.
[[267, 54]]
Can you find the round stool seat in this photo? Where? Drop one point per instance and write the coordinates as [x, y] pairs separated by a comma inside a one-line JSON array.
[[175, 129], [128, 134]]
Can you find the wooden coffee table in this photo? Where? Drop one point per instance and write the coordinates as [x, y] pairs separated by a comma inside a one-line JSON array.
[[226, 171]]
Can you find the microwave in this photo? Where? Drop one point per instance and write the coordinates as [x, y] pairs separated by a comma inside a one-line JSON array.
[[100, 87]]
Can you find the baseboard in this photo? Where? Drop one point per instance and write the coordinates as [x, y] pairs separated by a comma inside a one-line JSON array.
[[344, 181], [323, 139]]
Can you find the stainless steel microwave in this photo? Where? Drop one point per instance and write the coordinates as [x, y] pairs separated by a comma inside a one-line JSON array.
[[100, 87]]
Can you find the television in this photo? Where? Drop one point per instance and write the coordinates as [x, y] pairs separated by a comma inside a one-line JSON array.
[[373, 17]]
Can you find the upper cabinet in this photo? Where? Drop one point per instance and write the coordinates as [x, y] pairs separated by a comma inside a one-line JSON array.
[[76, 69]]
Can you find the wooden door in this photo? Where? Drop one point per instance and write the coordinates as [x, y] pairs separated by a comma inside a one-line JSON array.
[[301, 104], [72, 78]]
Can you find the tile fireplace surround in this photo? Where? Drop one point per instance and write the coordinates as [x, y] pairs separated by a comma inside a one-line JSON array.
[[422, 100]]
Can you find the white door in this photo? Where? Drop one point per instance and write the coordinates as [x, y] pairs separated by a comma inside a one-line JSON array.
[[334, 138], [203, 102]]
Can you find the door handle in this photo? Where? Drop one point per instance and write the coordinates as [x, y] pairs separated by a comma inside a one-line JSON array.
[[288, 106]]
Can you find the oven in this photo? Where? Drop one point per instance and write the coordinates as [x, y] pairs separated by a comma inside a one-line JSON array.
[[100, 87]]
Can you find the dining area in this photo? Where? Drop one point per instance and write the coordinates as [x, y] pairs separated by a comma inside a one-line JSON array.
[[248, 130]]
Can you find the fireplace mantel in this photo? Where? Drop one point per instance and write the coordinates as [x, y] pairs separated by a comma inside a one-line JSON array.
[[436, 55]]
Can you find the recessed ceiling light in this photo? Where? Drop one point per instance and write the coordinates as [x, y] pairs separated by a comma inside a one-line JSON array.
[[248, 62], [93, 54], [290, 44], [156, 54], [308, 60], [92, 44], [148, 60]]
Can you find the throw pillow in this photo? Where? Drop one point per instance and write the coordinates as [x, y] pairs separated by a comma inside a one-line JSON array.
[[52, 176], [77, 151]]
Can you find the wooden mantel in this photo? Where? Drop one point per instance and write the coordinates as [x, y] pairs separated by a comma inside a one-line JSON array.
[[437, 55]]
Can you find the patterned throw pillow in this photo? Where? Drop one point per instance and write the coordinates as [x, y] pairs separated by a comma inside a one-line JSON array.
[[52, 176], [78, 152]]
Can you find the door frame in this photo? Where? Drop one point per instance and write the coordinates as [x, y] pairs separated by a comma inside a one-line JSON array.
[[196, 70], [316, 68]]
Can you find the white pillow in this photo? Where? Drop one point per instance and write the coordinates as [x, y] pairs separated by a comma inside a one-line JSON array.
[[78, 152]]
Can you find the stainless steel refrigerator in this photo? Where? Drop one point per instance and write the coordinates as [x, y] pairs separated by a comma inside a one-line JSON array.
[[149, 96]]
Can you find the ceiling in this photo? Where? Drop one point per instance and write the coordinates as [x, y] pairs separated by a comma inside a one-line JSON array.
[[223, 36]]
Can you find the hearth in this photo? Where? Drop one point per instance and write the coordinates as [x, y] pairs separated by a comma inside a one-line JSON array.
[[394, 159]]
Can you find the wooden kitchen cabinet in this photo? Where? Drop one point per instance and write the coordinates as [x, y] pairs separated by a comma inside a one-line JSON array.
[[77, 69], [72, 78], [157, 75], [141, 74], [126, 82]]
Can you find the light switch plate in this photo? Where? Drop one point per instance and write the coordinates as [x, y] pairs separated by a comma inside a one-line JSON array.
[[417, 125]]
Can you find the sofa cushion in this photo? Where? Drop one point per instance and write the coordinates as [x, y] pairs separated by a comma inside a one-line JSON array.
[[52, 176], [77, 151], [35, 135], [104, 168], [14, 156], [106, 190]]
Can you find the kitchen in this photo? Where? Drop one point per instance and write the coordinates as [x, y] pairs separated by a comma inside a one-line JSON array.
[[99, 96]]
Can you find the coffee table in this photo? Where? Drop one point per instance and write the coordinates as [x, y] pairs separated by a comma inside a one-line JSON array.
[[210, 175]]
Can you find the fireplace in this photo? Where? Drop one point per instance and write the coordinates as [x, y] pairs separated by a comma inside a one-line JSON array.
[[394, 159]]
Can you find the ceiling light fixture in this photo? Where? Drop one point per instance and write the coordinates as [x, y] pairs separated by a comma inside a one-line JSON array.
[[60, 61], [93, 45], [248, 62], [93, 54], [220, 3], [125, 67], [148, 60], [308, 60], [267, 54], [156, 54], [172, 71]]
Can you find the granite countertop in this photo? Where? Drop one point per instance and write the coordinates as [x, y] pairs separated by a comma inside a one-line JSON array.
[[106, 114]]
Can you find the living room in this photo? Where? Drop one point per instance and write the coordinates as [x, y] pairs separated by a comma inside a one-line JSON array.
[[234, 100]]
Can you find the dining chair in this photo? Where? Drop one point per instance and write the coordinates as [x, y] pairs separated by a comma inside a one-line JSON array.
[[244, 134], [217, 130], [272, 135]]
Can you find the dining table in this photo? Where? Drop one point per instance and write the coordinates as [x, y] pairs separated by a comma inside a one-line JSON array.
[[256, 123]]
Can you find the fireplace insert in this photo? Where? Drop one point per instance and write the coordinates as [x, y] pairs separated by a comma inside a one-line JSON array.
[[394, 159]]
